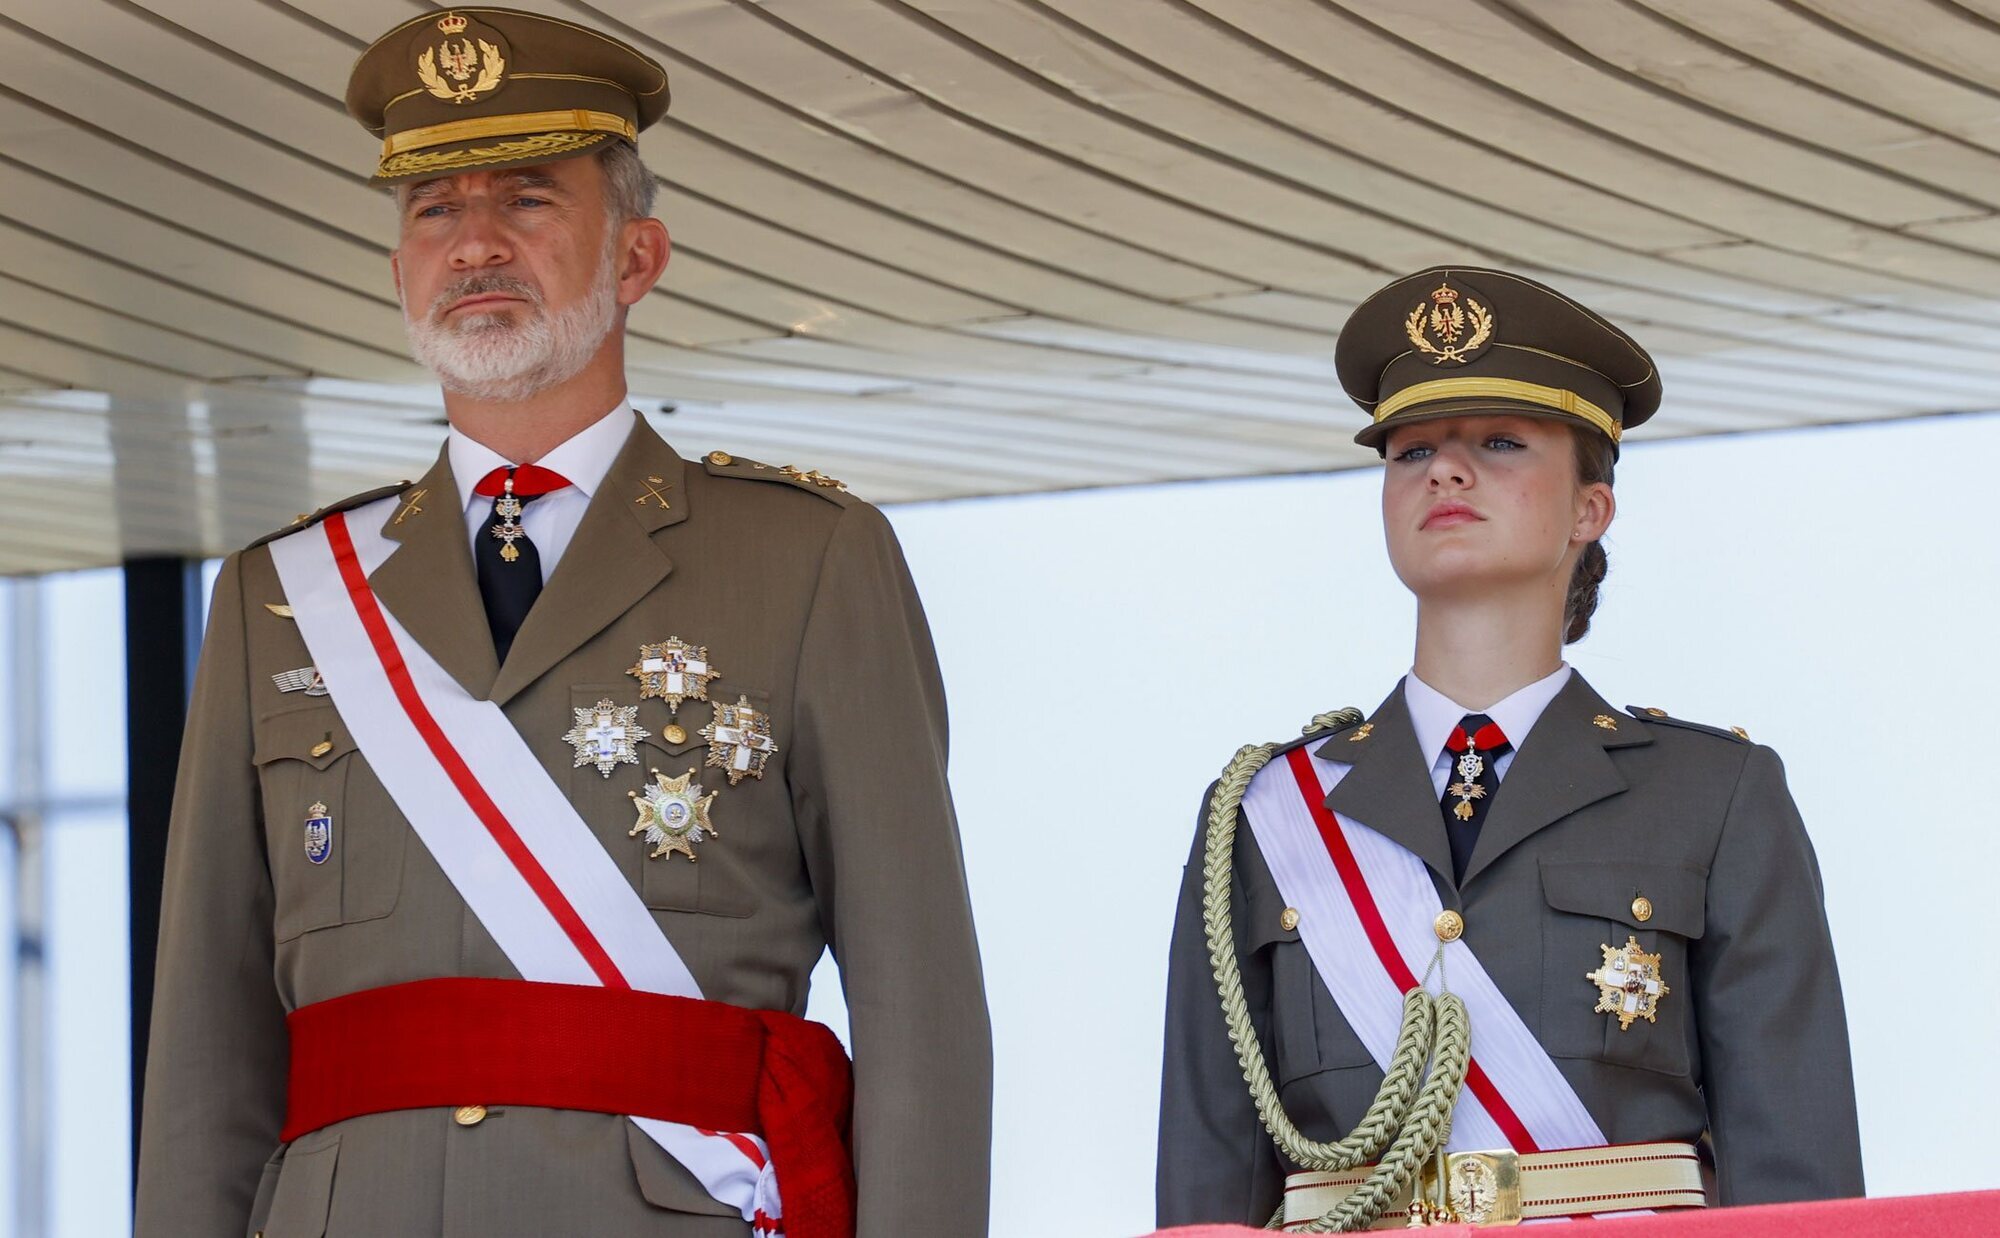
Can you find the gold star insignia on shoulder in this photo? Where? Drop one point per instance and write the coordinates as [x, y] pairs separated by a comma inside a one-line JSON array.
[[813, 477], [673, 815], [606, 735]]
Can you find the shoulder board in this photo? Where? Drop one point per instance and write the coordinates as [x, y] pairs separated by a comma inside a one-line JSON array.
[[832, 489], [1648, 713], [310, 518], [1323, 727]]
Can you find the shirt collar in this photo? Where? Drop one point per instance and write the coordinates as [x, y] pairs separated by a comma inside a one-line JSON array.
[[1433, 715], [584, 457]]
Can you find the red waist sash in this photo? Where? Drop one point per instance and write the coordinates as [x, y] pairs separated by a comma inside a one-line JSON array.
[[464, 1041]]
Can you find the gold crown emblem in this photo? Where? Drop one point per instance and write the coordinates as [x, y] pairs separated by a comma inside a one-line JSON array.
[[452, 23], [1445, 294]]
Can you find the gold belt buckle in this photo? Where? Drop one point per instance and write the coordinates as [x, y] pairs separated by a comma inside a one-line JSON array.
[[1480, 1188]]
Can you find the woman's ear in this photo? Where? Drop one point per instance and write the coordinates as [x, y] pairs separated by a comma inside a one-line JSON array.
[[1594, 514]]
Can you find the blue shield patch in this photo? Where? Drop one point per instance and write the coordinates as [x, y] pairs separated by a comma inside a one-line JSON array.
[[319, 834]]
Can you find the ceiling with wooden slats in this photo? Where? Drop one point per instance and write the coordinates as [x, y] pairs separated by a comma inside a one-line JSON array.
[[944, 248]]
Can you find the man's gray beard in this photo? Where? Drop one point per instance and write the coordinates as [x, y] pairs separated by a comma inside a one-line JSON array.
[[505, 358]]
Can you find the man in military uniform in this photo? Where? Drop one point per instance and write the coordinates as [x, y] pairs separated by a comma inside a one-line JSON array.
[[520, 801], [1623, 907]]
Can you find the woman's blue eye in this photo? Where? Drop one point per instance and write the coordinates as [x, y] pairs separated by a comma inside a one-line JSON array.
[[1501, 442], [1414, 453]]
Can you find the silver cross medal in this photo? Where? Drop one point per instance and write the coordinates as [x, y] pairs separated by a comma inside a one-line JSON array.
[[508, 508], [606, 735], [739, 740]]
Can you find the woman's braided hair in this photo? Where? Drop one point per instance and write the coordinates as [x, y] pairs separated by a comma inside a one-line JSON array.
[[1595, 458]]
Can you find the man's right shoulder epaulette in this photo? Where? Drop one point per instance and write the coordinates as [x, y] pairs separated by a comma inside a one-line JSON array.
[[305, 519], [812, 481], [1330, 725]]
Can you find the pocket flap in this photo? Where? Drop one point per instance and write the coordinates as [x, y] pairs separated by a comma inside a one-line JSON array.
[[1675, 898], [665, 1183], [314, 734], [305, 1192]]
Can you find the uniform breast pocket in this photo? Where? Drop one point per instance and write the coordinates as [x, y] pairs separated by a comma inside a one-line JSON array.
[[704, 810], [1308, 1032], [334, 838], [1600, 906]]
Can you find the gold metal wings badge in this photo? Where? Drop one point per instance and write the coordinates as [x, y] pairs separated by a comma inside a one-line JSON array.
[[1449, 327]]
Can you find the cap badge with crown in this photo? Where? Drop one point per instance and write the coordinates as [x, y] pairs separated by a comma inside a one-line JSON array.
[[461, 68], [1438, 323]]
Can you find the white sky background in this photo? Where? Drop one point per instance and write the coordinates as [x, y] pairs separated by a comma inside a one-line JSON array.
[[1831, 590]]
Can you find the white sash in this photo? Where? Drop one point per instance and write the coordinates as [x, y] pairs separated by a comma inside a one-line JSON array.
[[1366, 909], [501, 829]]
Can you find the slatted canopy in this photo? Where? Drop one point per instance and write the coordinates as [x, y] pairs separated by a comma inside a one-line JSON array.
[[944, 248]]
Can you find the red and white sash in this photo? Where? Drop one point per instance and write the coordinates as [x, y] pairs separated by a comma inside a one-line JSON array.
[[1366, 909], [504, 833]]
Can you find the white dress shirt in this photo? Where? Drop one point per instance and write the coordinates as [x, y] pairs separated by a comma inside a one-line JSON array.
[[551, 519], [1435, 715]]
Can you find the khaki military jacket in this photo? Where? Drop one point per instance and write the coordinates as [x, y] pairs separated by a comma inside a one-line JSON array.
[[847, 841], [1749, 1053]]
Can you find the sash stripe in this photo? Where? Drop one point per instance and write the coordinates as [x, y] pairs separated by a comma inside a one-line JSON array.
[[1385, 947], [368, 609]]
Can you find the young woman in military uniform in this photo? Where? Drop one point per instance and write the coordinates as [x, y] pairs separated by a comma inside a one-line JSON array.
[[1623, 907]]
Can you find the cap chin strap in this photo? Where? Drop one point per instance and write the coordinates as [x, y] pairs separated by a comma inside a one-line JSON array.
[[1411, 1114], [515, 124], [1560, 399]]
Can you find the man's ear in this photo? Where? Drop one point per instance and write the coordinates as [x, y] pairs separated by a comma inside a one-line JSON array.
[[396, 272], [646, 248]]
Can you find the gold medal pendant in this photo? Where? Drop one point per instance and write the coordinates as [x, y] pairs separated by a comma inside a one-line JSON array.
[[1470, 766], [1629, 984], [606, 735], [673, 815], [739, 740], [508, 508]]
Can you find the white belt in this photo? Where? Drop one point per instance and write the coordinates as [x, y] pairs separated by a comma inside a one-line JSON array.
[[1505, 1188]]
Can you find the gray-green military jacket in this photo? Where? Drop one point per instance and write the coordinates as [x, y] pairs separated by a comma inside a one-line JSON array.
[[848, 840], [1750, 1047]]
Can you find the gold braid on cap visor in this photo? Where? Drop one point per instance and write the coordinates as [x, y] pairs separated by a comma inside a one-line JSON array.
[[576, 120], [1560, 399]]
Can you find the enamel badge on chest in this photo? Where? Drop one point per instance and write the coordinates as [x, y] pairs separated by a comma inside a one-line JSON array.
[[1629, 984], [739, 740], [319, 834], [606, 735], [673, 815], [306, 679], [673, 671]]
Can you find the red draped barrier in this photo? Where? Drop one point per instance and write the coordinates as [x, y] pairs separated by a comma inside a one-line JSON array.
[[1973, 1214]]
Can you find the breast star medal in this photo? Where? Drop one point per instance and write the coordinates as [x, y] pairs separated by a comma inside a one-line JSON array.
[[1629, 984], [739, 740], [673, 671], [508, 508], [319, 833], [606, 735], [673, 815], [1470, 766]]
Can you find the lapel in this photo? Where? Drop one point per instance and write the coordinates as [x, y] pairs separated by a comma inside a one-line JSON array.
[[1389, 787], [429, 582], [1564, 765], [611, 563]]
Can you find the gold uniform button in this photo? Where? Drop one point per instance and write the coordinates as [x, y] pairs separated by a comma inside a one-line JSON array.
[[721, 459], [676, 733], [323, 747], [469, 1115], [1657, 713], [1289, 920], [1739, 732], [1449, 924], [1642, 909]]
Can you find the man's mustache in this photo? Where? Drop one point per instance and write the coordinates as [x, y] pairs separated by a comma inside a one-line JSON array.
[[479, 285]]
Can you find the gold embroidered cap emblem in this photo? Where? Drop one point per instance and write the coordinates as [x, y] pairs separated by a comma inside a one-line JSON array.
[[1448, 326], [1629, 984], [673, 815], [739, 740], [606, 735], [462, 67]]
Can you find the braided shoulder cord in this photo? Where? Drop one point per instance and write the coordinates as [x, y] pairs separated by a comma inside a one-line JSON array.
[[1411, 1122]]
